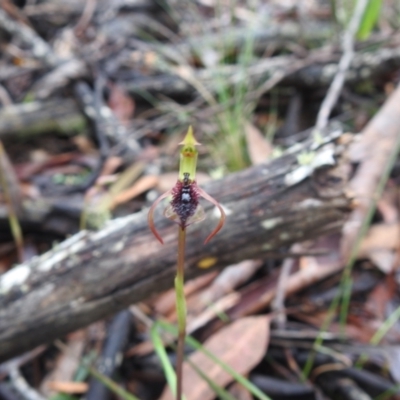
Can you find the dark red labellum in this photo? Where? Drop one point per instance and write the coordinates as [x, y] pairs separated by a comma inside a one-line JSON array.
[[185, 199]]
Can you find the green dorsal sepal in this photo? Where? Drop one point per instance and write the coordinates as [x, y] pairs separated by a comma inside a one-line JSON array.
[[188, 157]]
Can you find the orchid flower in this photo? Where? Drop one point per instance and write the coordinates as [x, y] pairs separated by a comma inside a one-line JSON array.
[[184, 208]]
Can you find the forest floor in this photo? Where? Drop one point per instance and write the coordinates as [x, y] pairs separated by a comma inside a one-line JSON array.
[[296, 105]]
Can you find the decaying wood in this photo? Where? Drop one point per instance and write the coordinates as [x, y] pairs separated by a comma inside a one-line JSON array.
[[56, 115], [94, 274]]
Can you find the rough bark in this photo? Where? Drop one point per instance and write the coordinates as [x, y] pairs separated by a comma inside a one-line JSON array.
[[94, 274]]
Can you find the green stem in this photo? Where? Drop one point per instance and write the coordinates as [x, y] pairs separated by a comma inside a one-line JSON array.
[[180, 310]]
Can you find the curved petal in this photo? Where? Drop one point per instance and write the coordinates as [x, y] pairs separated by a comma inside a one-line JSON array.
[[150, 215], [221, 210]]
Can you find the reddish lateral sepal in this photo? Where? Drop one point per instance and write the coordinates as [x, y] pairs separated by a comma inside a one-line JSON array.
[[150, 215], [221, 222]]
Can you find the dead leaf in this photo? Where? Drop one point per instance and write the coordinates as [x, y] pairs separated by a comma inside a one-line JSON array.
[[69, 387], [165, 303], [111, 165], [308, 262], [212, 311], [241, 345], [387, 204], [140, 186], [61, 376], [229, 279], [84, 144], [380, 236], [140, 349], [41, 161], [384, 259], [239, 392], [379, 139], [380, 244], [258, 147], [377, 301]]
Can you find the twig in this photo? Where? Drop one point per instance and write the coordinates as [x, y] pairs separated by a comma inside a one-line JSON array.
[[111, 357], [7, 392], [5, 98], [103, 117], [22, 386], [87, 14], [278, 76], [279, 300], [59, 77], [40, 48], [92, 104], [344, 64], [19, 361], [345, 388], [228, 280], [13, 198]]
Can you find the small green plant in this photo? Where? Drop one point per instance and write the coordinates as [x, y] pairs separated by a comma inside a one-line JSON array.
[[194, 344], [110, 384], [343, 10], [236, 109], [184, 209]]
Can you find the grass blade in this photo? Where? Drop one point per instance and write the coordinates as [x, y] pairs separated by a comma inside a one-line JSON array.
[[369, 19], [162, 355], [114, 387], [220, 391], [239, 378]]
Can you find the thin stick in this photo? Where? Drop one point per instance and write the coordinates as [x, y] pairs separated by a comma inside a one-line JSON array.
[[10, 186], [5, 98], [278, 304], [181, 310], [87, 14], [344, 64]]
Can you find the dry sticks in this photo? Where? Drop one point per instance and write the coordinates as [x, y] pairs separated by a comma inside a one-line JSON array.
[[344, 64]]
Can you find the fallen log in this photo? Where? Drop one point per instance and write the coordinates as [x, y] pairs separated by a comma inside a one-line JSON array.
[[91, 275], [29, 119]]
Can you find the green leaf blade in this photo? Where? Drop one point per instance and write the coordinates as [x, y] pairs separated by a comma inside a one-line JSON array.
[[369, 19]]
